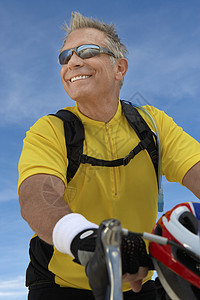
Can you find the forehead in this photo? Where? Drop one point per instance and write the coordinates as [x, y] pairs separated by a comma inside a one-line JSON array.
[[85, 36]]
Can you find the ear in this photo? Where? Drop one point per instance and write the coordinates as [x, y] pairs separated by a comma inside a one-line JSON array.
[[121, 68]]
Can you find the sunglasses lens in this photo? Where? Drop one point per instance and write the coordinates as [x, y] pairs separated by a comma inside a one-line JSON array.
[[83, 51], [64, 57], [88, 51]]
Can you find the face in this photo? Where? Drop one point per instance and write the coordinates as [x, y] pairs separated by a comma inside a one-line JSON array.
[[91, 78]]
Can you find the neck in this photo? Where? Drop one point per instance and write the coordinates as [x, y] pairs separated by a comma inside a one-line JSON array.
[[102, 111]]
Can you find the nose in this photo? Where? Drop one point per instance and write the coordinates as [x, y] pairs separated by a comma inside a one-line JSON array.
[[75, 61]]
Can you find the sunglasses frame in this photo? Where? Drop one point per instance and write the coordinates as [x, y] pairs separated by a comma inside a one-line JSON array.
[[69, 52]]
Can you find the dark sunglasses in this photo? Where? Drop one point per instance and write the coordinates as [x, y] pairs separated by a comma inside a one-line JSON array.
[[83, 51]]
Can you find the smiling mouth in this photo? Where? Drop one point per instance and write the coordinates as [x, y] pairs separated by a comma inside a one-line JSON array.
[[79, 78]]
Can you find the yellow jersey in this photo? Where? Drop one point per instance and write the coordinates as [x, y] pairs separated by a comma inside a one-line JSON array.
[[128, 193]]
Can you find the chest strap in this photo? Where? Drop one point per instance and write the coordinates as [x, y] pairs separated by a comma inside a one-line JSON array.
[[85, 159], [75, 135]]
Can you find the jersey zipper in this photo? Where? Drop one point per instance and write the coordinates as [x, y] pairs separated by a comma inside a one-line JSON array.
[[112, 155]]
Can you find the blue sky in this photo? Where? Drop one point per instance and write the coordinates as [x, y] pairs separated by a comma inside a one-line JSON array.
[[163, 39]]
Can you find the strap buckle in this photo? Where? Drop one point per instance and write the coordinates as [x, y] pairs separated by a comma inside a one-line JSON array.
[[141, 146], [127, 158]]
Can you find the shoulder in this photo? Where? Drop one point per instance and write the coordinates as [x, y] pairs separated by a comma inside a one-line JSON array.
[[162, 120], [50, 123], [154, 112]]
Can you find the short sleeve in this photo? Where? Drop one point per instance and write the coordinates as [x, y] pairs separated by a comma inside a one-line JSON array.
[[44, 150], [179, 150]]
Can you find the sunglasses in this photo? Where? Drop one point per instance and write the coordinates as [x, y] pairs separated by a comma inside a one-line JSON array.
[[83, 51]]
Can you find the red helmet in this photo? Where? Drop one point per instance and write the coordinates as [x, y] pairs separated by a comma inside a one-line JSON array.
[[178, 265]]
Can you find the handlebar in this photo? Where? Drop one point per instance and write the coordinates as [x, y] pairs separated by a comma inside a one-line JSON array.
[[104, 269], [111, 240]]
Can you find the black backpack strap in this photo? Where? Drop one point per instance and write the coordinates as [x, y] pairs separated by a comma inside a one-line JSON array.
[[85, 159], [143, 131], [74, 138]]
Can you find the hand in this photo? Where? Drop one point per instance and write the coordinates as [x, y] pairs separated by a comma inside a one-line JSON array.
[[135, 280], [135, 260], [134, 254], [83, 246]]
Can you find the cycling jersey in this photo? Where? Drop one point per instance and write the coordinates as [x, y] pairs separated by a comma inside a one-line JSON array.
[[128, 193]]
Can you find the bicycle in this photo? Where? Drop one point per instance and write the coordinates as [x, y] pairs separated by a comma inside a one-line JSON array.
[[107, 260]]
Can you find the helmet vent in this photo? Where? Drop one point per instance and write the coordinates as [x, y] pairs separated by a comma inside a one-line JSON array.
[[188, 220]]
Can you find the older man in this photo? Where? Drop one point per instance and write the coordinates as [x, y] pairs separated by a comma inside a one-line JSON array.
[[65, 212]]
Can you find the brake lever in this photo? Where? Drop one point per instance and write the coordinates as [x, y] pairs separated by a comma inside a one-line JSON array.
[[111, 241]]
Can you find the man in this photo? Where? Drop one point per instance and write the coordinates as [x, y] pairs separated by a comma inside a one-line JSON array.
[[65, 215]]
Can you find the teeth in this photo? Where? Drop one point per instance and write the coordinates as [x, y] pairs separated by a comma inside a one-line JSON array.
[[78, 77]]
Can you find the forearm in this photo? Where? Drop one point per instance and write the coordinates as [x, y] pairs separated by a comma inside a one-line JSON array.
[[42, 204]]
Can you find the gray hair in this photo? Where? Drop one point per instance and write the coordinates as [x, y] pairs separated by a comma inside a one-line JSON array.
[[112, 40]]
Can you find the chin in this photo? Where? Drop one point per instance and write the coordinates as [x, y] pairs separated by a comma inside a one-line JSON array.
[[81, 97]]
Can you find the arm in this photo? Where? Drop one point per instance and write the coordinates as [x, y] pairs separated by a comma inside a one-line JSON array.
[[42, 204], [43, 207], [191, 180]]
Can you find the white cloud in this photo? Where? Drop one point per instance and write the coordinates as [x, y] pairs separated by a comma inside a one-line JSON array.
[[157, 72], [163, 62], [29, 71], [32, 95], [13, 289]]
